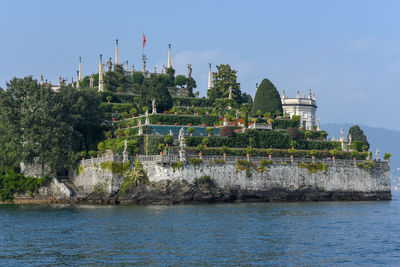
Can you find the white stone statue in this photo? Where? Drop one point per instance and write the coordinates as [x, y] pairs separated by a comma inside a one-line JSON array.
[[225, 122], [125, 145], [147, 122], [170, 132], [350, 139], [377, 155], [318, 125], [341, 135], [140, 128], [91, 80], [181, 138], [153, 104]]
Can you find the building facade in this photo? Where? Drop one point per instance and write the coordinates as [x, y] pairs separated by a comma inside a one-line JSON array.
[[301, 106]]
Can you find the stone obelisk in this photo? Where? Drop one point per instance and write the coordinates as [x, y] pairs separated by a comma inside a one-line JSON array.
[[169, 57], [101, 81], [77, 79], [209, 76], [116, 52], [80, 68]]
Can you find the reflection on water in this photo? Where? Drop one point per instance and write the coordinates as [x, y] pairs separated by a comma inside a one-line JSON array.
[[316, 233]]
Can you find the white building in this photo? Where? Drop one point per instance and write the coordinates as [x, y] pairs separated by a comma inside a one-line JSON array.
[[303, 107]]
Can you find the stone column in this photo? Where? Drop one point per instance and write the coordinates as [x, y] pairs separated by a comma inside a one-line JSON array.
[[116, 52], [77, 79], [101, 80], [169, 57], [209, 76], [80, 68]]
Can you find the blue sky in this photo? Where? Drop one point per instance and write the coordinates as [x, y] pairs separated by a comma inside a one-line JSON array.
[[347, 52]]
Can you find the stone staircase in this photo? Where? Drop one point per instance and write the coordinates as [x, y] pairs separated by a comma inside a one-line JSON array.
[[75, 191]]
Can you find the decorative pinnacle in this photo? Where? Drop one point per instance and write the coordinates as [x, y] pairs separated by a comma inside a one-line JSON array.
[[101, 56], [256, 85], [80, 59], [169, 46], [116, 41], [209, 65]]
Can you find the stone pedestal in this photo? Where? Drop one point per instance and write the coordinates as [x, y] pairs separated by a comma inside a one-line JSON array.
[[182, 156], [125, 157]]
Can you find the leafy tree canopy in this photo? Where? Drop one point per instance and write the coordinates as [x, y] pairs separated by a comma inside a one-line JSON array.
[[223, 79], [46, 125], [180, 80], [358, 135], [155, 87], [267, 99], [116, 80]]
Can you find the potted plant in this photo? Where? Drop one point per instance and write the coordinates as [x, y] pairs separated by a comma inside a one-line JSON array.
[[82, 154], [161, 148], [291, 151], [270, 151], [308, 134], [249, 150], [200, 148], [209, 130], [354, 154], [387, 157], [205, 141], [313, 153], [108, 98], [92, 153], [270, 121], [190, 130], [168, 139], [109, 135], [333, 152], [293, 143], [224, 149], [324, 135]]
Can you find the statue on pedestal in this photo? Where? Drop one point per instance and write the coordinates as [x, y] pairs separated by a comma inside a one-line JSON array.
[[147, 122], [181, 138], [91, 80], [377, 155], [109, 64], [125, 145], [140, 128], [341, 135], [318, 125], [153, 105], [189, 70]]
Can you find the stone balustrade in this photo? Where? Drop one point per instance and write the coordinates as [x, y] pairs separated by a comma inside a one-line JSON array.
[[230, 159]]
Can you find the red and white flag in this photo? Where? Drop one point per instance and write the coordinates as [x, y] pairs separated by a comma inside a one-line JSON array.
[[144, 40]]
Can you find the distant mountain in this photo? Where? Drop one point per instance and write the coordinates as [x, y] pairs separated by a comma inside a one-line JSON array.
[[383, 139]]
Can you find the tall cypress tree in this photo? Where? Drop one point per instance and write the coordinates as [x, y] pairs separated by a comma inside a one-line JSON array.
[[267, 98]]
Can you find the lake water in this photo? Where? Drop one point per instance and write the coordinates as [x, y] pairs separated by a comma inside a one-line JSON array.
[[280, 234]]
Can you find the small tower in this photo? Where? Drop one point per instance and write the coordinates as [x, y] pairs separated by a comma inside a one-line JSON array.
[[41, 79], [101, 81], [72, 82], [116, 52], [169, 57], [283, 94], [80, 68], [127, 66], [209, 76], [309, 94]]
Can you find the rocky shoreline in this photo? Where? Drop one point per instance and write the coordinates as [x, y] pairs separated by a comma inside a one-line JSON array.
[[175, 192]]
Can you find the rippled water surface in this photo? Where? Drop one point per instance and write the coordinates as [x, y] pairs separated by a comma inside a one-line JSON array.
[[304, 233]]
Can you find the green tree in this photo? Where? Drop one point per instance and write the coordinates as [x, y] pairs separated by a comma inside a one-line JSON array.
[[180, 80], [116, 80], [267, 99], [52, 126], [358, 135], [191, 84], [171, 73], [137, 77], [155, 87], [223, 79]]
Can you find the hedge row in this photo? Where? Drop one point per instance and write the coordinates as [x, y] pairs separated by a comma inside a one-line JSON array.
[[117, 145], [261, 139], [315, 135], [119, 98], [191, 101], [118, 107], [254, 138], [283, 123], [277, 153], [167, 119]]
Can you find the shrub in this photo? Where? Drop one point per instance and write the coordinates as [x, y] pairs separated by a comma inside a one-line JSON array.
[[169, 139], [293, 133], [358, 145], [387, 156], [92, 153], [190, 130], [210, 130], [267, 99], [180, 80], [227, 131]]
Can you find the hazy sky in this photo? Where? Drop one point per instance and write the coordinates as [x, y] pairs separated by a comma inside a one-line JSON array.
[[347, 52]]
